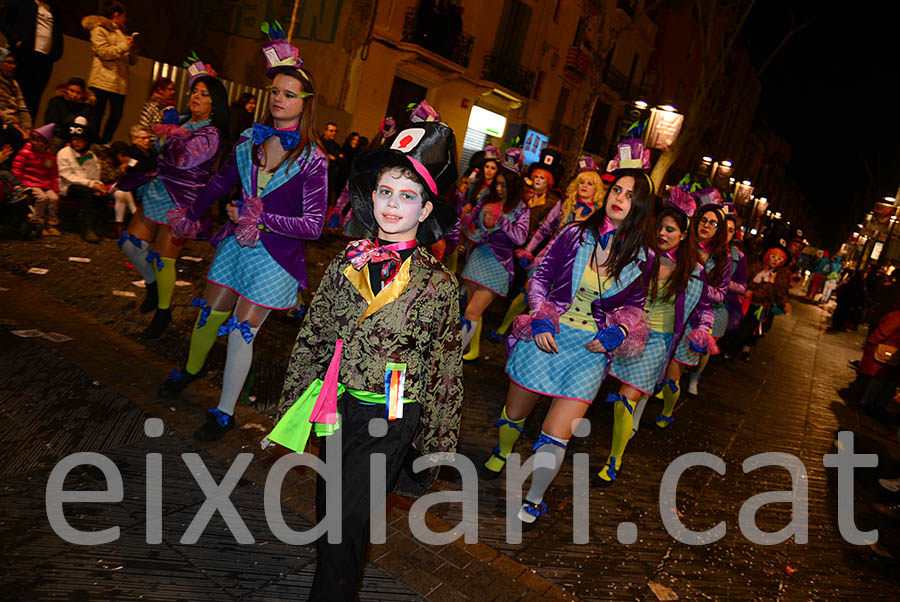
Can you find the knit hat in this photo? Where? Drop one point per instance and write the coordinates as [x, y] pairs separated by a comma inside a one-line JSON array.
[[80, 128], [428, 149]]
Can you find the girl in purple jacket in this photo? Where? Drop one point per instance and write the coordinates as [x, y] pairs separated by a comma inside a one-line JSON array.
[[496, 225], [260, 253], [712, 251], [188, 153], [586, 299]]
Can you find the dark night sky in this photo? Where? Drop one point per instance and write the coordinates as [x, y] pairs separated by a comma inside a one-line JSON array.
[[831, 93]]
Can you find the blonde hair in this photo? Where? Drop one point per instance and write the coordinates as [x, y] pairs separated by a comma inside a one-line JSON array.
[[572, 193]]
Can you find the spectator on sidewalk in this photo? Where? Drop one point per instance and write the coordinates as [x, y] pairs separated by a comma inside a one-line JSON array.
[[879, 362], [822, 269], [35, 167], [162, 96], [13, 110], [141, 149], [79, 177], [33, 29], [68, 102], [335, 156], [119, 152], [832, 279], [851, 303], [114, 52]]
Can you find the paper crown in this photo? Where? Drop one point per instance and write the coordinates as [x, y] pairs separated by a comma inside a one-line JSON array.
[[46, 131], [514, 159], [682, 201], [422, 112], [708, 196], [279, 53], [586, 163], [197, 69], [630, 154], [491, 152]]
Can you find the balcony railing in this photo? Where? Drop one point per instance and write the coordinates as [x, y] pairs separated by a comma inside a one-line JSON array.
[[442, 34], [578, 62], [508, 74]]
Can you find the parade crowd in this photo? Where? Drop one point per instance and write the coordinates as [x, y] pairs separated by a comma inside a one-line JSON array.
[[605, 277]]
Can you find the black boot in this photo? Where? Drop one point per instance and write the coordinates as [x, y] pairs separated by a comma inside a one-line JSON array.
[[177, 382], [217, 424], [151, 299], [87, 227], [158, 325]]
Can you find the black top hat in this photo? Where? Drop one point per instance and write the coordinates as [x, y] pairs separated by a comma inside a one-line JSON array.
[[428, 149], [79, 127], [551, 161]]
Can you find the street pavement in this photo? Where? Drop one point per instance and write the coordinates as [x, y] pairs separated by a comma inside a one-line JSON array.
[[95, 391]]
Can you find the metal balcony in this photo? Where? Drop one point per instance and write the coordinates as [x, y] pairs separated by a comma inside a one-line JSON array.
[[438, 37], [508, 74]]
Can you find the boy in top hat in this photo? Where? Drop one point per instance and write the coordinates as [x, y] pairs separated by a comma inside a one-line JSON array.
[[381, 340]]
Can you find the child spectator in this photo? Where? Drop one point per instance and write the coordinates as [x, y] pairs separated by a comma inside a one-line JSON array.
[[35, 167], [79, 177], [124, 200]]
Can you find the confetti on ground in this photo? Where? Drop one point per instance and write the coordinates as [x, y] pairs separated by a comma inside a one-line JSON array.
[[27, 334], [55, 337], [194, 259], [3, 289], [182, 283], [139, 283], [124, 294], [662, 592], [254, 425], [80, 259], [38, 271]]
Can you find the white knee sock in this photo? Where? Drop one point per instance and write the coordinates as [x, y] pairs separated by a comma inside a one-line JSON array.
[[542, 477], [638, 412], [237, 366], [138, 257]]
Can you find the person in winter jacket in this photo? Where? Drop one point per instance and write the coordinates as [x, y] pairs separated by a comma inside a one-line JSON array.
[[113, 53], [69, 102], [13, 110], [35, 168], [79, 177]]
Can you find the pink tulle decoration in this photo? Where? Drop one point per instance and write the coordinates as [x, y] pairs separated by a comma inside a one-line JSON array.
[[633, 319], [682, 201], [167, 129], [701, 338], [182, 227], [521, 328], [248, 230]]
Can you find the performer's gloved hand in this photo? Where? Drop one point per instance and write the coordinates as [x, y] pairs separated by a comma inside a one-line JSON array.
[[170, 116], [539, 325], [701, 349], [611, 337]]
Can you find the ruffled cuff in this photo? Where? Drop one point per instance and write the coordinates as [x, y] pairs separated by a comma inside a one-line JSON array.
[[182, 226], [248, 228], [632, 319], [699, 339], [736, 288], [522, 325], [333, 218]]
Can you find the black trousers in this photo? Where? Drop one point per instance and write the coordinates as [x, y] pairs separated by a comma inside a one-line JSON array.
[[339, 568], [32, 72], [116, 104], [90, 201]]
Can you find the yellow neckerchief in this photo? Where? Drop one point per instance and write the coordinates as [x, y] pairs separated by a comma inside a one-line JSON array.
[[360, 280], [537, 199]]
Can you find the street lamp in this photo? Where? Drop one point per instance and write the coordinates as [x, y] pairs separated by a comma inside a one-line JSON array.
[[640, 104]]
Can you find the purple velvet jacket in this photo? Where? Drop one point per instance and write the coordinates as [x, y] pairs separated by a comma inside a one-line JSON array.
[[716, 294], [552, 281], [737, 289], [294, 203], [184, 165], [512, 232]]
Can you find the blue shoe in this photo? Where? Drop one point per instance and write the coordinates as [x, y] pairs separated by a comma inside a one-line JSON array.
[[495, 337], [217, 424]]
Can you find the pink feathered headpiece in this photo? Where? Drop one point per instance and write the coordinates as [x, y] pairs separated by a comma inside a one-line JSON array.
[[682, 202]]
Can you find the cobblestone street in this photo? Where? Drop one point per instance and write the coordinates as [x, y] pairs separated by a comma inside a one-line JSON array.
[[94, 392]]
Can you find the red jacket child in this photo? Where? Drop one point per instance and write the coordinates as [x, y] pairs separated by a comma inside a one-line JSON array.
[[35, 165]]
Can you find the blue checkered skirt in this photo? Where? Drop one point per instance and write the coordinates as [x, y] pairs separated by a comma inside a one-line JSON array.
[[483, 268], [721, 323], [643, 371], [683, 353], [574, 372], [253, 274], [155, 201]]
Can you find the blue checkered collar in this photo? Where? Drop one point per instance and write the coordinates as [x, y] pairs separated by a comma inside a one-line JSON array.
[[249, 172]]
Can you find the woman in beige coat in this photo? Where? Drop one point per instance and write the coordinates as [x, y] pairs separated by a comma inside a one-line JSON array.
[[113, 53]]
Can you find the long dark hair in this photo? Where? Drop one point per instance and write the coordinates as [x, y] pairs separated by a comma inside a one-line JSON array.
[[306, 128], [687, 256], [219, 96], [720, 252], [475, 185], [633, 233], [514, 189]]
